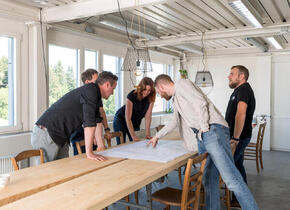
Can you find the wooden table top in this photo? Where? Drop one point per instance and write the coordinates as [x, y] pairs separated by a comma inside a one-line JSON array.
[[100, 188], [32, 180]]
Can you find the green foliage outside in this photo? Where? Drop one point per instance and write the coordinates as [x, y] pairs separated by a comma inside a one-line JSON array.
[[3, 89], [109, 105], [60, 82]]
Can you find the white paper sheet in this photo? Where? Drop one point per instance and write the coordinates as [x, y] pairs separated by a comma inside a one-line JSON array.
[[166, 150]]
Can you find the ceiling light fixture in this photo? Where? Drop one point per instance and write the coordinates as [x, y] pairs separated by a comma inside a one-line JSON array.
[[41, 1], [247, 11], [203, 78], [275, 43]]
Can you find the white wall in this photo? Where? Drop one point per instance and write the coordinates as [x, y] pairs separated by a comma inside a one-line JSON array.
[[260, 71], [280, 129]]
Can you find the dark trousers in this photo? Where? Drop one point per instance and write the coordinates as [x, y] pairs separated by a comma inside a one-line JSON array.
[[239, 156], [119, 125]]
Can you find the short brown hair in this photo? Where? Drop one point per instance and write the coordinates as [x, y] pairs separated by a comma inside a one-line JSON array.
[[88, 74], [106, 76], [162, 78], [142, 86], [242, 70]]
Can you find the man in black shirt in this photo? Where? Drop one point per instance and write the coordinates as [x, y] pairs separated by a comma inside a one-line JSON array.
[[239, 114], [89, 76], [78, 107]]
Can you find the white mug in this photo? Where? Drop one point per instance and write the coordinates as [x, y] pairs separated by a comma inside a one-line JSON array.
[[4, 180]]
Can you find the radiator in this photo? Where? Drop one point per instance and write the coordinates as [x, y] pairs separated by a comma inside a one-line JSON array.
[[6, 164]]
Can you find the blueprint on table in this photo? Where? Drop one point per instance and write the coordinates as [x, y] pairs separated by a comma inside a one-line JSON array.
[[166, 150]]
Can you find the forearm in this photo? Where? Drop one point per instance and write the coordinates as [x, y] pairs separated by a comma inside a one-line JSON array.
[[239, 125], [147, 125], [105, 121], [89, 139], [98, 135], [130, 127]]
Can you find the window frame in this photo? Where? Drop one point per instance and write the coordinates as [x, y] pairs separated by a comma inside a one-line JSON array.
[[18, 124], [96, 58], [78, 62], [168, 71], [119, 89]]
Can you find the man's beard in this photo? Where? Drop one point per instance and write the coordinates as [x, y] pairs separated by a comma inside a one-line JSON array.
[[233, 85], [167, 97]]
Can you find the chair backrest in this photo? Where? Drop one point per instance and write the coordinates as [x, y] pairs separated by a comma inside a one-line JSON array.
[[26, 154], [79, 144], [113, 135], [260, 135], [196, 179], [159, 127]]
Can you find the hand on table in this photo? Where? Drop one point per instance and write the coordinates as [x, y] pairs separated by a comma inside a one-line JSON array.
[[153, 141], [93, 156], [135, 138]]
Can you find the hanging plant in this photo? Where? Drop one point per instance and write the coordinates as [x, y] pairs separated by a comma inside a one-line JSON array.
[[183, 73]]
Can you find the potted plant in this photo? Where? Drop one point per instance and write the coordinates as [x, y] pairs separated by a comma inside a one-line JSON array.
[[183, 73]]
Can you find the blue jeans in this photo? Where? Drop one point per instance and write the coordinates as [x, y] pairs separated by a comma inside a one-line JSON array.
[[220, 161], [239, 156], [118, 125]]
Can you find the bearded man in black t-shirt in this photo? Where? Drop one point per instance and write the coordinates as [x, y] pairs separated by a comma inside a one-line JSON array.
[[239, 114]]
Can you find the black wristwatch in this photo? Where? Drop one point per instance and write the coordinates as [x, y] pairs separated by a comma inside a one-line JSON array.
[[235, 139], [107, 129]]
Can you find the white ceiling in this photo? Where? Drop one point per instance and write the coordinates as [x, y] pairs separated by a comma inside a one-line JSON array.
[[182, 17]]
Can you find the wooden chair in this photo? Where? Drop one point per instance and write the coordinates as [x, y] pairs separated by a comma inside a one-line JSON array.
[[113, 135], [254, 150], [159, 127], [185, 197], [26, 154]]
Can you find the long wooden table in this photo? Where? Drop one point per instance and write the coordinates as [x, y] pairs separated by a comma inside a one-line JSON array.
[[101, 187], [32, 180]]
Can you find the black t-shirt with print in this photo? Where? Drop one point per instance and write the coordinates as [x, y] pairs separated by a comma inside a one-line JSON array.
[[242, 93], [139, 110]]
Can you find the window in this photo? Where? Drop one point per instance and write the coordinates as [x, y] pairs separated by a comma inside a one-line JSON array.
[[169, 108], [7, 82], [113, 64], [160, 104], [91, 59], [63, 71]]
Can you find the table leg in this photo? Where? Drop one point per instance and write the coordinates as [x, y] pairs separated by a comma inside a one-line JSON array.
[[149, 196]]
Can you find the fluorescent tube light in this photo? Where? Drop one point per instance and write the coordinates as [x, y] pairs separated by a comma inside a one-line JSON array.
[[275, 43], [246, 10]]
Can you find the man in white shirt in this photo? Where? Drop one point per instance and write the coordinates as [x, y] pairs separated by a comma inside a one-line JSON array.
[[194, 111]]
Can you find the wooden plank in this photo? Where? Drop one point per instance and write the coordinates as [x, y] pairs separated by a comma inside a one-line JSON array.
[[172, 18], [89, 8], [158, 22], [181, 16], [166, 20], [101, 188], [198, 19], [31, 180]]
